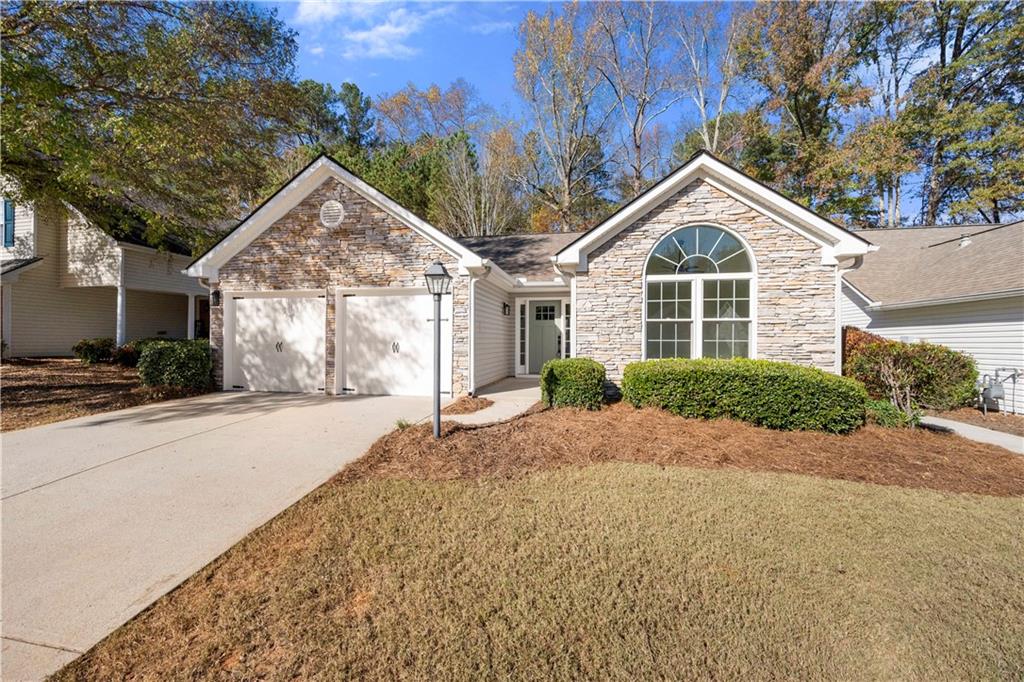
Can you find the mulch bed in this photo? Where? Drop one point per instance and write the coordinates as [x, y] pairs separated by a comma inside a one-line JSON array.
[[36, 391], [997, 421], [468, 404], [551, 438]]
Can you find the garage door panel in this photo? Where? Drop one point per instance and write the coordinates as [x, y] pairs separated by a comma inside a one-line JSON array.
[[279, 343], [387, 344]]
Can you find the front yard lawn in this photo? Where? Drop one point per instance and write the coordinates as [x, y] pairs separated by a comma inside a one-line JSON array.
[[620, 544], [35, 391]]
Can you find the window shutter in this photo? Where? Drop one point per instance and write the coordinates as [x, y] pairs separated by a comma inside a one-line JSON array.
[[8, 222]]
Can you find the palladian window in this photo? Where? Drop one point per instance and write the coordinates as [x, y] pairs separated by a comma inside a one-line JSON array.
[[699, 284]]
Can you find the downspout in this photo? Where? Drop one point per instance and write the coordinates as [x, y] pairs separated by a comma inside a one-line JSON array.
[[857, 262], [474, 275]]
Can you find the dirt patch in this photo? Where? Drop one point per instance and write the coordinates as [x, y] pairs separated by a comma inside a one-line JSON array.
[[467, 405], [564, 437], [45, 390], [997, 421]]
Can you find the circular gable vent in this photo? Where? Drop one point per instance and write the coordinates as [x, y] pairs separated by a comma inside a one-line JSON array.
[[332, 213]]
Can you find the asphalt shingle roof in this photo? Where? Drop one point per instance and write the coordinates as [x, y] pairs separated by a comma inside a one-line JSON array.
[[521, 255], [12, 264], [919, 264]]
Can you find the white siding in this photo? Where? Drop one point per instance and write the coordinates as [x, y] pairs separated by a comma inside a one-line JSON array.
[[156, 271], [89, 257], [493, 335], [45, 318], [154, 314], [991, 331], [24, 234]]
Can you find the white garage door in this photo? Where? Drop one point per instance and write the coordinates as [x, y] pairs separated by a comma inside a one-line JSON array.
[[279, 344], [387, 344]]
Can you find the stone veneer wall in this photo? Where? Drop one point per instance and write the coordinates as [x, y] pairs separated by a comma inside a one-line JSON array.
[[796, 294], [371, 248]]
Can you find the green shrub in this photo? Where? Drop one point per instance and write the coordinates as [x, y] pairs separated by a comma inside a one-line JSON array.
[[572, 382], [94, 350], [182, 364], [884, 413], [775, 395], [931, 375], [128, 354]]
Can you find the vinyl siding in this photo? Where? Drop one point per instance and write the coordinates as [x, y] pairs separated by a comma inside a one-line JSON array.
[[493, 334], [89, 257], [991, 331], [24, 234], [156, 271], [154, 314]]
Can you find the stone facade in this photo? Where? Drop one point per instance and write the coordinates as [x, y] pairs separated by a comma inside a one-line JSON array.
[[796, 294], [370, 248]]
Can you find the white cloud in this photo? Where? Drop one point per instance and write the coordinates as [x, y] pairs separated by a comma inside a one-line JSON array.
[[316, 13], [387, 39], [489, 27], [317, 50]]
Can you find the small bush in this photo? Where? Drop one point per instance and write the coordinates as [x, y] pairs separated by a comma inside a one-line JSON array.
[[90, 351], [775, 395], [884, 413], [924, 374], [128, 354], [572, 382], [182, 364]]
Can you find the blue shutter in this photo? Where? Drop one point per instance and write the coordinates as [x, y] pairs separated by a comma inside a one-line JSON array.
[[8, 223]]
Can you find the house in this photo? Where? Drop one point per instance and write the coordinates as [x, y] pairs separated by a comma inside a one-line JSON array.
[[65, 279], [960, 286], [321, 288]]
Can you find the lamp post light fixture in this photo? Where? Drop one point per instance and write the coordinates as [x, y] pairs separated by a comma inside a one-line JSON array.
[[439, 282]]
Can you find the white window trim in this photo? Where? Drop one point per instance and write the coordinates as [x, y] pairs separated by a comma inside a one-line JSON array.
[[521, 369], [697, 293]]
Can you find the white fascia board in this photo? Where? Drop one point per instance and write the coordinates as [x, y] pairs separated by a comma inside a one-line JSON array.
[[295, 192], [835, 242], [860, 294]]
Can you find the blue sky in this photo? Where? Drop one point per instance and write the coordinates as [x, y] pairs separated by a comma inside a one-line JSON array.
[[381, 46]]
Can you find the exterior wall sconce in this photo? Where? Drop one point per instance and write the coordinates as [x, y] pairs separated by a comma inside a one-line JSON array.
[[506, 309], [215, 298]]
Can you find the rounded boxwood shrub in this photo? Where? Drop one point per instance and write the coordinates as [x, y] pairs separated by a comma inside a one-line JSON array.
[[94, 350], [935, 376], [572, 382], [776, 395], [182, 364]]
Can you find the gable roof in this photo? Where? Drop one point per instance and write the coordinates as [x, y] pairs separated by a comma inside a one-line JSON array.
[[836, 242], [522, 255], [14, 264], [294, 192], [923, 265]]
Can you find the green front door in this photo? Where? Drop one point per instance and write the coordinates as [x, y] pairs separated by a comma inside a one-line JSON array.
[[545, 337]]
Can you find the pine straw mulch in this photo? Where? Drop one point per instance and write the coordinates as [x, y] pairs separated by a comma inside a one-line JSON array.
[[551, 438], [467, 405], [36, 391], [997, 421]]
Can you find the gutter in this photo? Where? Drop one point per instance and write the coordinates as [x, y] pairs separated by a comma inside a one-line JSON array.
[[1009, 293]]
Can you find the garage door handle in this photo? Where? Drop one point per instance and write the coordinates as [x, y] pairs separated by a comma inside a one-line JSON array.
[[279, 346], [395, 347]]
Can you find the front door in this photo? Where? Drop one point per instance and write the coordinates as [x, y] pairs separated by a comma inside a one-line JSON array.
[[544, 323]]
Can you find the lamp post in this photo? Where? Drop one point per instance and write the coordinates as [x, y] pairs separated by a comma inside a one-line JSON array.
[[439, 282]]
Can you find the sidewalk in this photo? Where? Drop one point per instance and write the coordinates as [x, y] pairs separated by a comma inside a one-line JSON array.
[[510, 396], [982, 435]]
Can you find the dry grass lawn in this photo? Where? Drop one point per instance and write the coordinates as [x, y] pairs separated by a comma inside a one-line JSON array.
[[610, 570], [45, 390]]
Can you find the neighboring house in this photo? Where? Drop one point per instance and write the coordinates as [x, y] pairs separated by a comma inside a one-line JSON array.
[[65, 279], [960, 286], [321, 288]]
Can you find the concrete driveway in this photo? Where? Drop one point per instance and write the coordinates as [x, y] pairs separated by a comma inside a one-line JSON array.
[[104, 514]]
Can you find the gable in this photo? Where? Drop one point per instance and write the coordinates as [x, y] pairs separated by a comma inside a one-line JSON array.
[[834, 242], [296, 191]]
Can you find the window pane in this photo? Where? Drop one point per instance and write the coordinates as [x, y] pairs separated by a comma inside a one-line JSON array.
[[668, 339], [726, 339]]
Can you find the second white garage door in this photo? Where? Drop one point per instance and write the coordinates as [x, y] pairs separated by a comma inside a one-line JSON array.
[[279, 343], [386, 344]]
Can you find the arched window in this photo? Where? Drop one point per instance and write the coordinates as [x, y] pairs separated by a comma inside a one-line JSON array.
[[699, 284]]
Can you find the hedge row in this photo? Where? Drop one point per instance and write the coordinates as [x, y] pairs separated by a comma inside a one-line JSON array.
[[936, 377], [91, 351], [775, 395], [572, 382], [181, 364]]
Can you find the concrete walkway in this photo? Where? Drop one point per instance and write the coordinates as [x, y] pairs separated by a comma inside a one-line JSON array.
[[511, 397], [979, 433], [104, 514]]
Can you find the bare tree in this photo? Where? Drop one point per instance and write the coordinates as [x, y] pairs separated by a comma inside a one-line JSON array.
[[410, 112], [708, 50], [557, 78], [479, 198], [635, 58]]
